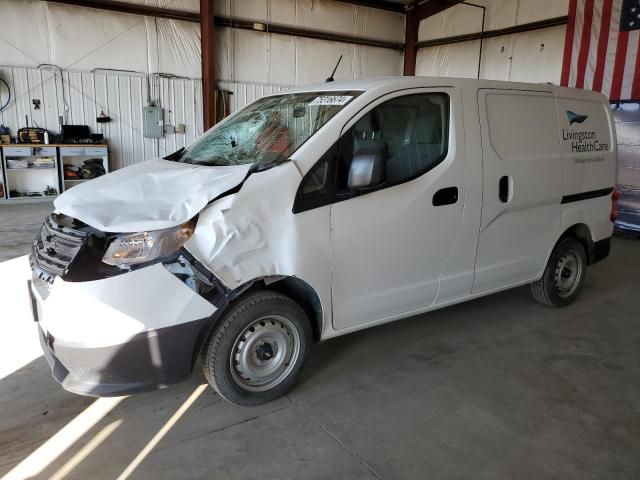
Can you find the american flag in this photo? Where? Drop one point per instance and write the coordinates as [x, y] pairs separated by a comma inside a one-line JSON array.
[[602, 48]]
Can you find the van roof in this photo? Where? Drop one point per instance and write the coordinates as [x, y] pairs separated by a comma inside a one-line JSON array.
[[399, 82]]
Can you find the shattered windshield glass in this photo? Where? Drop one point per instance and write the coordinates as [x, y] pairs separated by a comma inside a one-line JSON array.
[[268, 131]]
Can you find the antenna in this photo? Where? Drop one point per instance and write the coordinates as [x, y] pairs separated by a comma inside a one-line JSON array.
[[331, 79]]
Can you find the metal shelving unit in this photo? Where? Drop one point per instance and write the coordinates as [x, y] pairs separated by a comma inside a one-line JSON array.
[[76, 156], [30, 173], [33, 168]]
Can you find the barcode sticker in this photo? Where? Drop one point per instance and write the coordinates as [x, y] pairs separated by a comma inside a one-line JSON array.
[[331, 100]]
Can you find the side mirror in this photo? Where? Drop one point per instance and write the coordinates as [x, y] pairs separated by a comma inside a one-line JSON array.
[[368, 168]]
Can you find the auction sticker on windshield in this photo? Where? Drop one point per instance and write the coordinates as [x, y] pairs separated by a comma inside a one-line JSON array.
[[331, 100]]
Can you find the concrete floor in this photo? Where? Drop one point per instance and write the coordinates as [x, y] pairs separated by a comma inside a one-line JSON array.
[[500, 387], [18, 225]]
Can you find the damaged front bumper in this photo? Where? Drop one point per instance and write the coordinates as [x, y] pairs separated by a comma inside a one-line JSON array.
[[128, 333]]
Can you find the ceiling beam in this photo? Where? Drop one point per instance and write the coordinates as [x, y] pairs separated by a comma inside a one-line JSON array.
[[433, 7], [135, 9], [379, 4], [304, 32], [525, 27], [123, 7]]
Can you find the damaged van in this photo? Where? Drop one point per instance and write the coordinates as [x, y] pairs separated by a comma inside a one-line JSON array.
[[315, 213]]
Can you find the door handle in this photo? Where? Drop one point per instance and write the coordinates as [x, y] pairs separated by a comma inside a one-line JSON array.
[[445, 196], [503, 187]]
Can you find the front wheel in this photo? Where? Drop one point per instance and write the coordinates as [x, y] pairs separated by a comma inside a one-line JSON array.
[[564, 275], [256, 351]]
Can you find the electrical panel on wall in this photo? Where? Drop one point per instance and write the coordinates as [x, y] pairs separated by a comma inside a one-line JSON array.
[[153, 122]]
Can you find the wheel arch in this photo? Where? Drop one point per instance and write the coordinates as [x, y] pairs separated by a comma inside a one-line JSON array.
[[293, 287], [300, 292], [582, 233]]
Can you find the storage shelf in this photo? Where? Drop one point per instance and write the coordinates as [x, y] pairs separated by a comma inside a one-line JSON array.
[[52, 158], [8, 201], [30, 169], [34, 197]]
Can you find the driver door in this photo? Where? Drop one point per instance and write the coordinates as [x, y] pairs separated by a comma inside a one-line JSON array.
[[390, 243]]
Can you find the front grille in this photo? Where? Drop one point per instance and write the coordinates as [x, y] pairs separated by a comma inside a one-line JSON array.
[[55, 247]]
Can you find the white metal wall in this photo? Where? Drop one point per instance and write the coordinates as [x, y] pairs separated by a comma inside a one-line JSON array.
[[534, 57], [251, 56], [245, 93], [120, 96]]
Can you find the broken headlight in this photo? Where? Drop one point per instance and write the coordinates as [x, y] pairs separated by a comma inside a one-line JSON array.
[[142, 247]]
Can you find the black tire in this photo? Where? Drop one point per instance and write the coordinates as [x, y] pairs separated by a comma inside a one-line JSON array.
[[557, 287], [280, 326]]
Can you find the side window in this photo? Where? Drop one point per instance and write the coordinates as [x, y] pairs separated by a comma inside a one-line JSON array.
[[413, 129], [410, 133], [317, 186], [317, 179]]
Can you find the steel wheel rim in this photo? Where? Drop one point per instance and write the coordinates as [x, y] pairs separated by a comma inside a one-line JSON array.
[[265, 353], [568, 274]]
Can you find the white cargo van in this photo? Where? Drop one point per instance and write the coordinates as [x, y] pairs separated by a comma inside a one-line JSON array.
[[315, 213]]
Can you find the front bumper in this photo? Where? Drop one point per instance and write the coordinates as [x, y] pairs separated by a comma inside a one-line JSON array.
[[133, 332]]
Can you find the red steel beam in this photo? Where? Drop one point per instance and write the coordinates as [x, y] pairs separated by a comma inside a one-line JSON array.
[[208, 53], [303, 32], [135, 9], [412, 24], [525, 27], [379, 4], [433, 7]]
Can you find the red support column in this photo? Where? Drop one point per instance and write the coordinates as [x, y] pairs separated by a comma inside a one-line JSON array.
[[207, 42], [412, 24]]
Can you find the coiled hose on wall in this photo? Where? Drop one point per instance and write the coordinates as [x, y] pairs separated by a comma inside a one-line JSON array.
[[2, 107]]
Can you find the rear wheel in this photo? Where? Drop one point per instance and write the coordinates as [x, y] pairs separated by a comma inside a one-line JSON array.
[[564, 275], [255, 353]]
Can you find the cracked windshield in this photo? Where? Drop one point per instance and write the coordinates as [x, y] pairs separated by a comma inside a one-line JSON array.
[[267, 132]]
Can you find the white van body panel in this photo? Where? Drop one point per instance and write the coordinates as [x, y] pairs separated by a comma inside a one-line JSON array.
[[110, 312], [516, 231], [460, 267], [589, 170], [241, 238], [390, 247]]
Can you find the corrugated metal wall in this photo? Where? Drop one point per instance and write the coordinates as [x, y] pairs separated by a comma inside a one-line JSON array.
[[246, 93], [120, 96]]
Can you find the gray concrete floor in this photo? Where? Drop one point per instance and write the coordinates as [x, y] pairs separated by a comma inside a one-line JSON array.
[[18, 225], [500, 387]]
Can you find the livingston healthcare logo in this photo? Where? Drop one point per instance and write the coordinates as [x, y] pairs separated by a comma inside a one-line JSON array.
[[585, 141], [575, 118]]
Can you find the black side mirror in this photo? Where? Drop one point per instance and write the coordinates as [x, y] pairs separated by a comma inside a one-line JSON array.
[[368, 168]]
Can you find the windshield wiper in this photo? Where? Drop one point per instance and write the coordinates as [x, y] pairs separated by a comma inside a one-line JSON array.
[[261, 167], [175, 156]]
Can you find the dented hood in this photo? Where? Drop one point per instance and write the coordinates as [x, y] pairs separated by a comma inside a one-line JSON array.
[[150, 195]]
